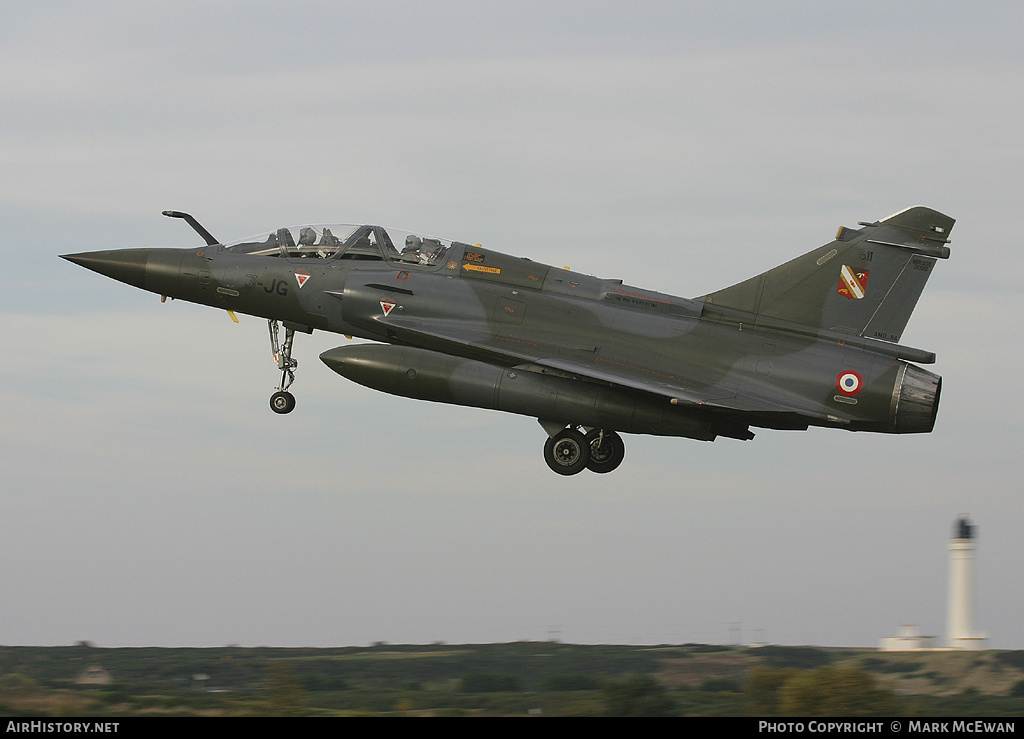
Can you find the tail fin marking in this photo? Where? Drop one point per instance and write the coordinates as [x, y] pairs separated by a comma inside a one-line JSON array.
[[866, 282]]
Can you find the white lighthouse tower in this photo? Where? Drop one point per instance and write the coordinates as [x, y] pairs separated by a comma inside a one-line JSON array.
[[960, 633]]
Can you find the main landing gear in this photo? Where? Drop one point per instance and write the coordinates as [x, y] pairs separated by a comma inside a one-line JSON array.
[[283, 401], [570, 451]]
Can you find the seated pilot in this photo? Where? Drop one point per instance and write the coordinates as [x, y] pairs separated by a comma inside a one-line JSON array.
[[411, 252], [307, 237]]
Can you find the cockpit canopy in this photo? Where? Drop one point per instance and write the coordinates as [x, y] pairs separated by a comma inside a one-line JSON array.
[[345, 241]]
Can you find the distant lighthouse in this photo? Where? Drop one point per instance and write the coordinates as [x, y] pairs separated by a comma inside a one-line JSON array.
[[960, 633]]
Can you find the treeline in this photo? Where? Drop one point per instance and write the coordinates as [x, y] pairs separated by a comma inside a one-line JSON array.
[[541, 678]]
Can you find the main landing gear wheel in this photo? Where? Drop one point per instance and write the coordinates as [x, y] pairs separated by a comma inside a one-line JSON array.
[[282, 402], [567, 452], [606, 450]]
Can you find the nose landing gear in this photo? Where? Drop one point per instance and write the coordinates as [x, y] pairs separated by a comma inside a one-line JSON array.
[[283, 401]]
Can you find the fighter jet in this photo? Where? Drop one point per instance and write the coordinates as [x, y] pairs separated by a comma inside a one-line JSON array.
[[813, 342]]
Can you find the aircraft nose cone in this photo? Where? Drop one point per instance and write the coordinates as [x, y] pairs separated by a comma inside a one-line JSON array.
[[126, 265]]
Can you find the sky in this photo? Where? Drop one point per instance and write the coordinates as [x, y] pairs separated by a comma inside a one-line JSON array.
[[151, 497]]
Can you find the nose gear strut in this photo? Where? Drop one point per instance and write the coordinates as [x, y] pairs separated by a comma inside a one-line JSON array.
[[283, 401]]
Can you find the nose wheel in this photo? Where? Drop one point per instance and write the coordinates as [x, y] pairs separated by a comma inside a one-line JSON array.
[[283, 401]]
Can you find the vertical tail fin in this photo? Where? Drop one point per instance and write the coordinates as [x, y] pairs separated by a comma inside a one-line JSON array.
[[865, 282]]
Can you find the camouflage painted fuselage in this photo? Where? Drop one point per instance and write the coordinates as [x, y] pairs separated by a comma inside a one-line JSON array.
[[808, 343]]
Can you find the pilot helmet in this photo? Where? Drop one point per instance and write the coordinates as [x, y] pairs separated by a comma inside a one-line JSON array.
[[412, 243]]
